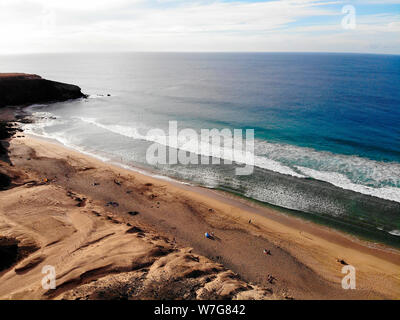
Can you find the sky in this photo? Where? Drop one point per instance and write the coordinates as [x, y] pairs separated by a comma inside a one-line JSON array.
[[363, 26]]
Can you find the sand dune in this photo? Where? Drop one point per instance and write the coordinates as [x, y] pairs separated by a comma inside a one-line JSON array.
[[98, 256]]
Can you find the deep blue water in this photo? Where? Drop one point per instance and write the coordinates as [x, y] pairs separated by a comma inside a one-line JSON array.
[[329, 118]]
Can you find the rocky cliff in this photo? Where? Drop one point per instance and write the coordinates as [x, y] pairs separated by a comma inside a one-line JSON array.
[[24, 89]]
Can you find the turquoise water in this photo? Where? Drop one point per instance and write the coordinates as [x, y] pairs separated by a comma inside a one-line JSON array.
[[326, 125]]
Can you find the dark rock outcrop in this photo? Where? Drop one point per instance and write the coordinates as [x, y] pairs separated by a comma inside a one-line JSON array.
[[5, 181], [24, 89], [13, 251], [7, 130]]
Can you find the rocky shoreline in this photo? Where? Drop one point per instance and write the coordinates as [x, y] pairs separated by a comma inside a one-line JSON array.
[[21, 89]]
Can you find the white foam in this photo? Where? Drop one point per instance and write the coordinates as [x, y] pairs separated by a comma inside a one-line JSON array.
[[130, 132], [200, 149], [395, 233], [339, 180], [31, 128], [346, 172], [359, 170]]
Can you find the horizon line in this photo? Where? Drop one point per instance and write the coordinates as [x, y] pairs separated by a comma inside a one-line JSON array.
[[196, 52]]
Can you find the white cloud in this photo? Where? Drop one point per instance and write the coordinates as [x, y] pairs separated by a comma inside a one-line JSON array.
[[168, 25]]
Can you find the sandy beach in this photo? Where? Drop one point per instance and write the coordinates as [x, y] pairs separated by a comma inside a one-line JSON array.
[[112, 232], [199, 158]]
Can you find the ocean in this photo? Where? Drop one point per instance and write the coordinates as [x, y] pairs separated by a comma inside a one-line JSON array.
[[327, 126]]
